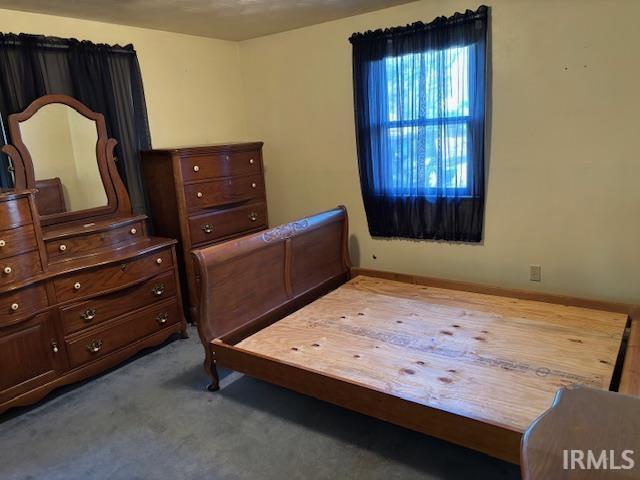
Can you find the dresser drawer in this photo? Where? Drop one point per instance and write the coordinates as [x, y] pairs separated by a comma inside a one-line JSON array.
[[215, 225], [20, 267], [16, 241], [60, 249], [97, 310], [96, 280], [119, 333], [221, 165], [221, 192], [22, 303], [15, 213]]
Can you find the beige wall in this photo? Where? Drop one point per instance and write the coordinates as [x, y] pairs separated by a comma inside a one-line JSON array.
[[565, 153], [565, 150], [192, 84]]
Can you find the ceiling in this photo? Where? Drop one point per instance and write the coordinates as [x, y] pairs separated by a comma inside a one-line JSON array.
[[224, 19]]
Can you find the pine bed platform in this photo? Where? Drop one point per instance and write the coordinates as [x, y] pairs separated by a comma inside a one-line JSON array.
[[469, 364]]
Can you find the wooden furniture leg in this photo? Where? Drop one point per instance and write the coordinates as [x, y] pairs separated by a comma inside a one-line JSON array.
[[212, 371], [214, 386]]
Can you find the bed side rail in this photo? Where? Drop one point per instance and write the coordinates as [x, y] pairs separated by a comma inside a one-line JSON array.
[[630, 380], [248, 283]]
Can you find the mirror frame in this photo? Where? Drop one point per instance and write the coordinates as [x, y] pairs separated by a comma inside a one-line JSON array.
[[118, 202]]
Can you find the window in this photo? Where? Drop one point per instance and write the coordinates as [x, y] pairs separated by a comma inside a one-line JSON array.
[[428, 119], [419, 94]]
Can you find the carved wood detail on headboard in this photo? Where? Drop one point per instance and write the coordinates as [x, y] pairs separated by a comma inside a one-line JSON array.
[[248, 283]]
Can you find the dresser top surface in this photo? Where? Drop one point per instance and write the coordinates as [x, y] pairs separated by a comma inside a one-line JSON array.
[[213, 147], [7, 194]]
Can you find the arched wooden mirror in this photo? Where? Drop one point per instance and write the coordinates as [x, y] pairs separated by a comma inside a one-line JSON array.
[[60, 148]]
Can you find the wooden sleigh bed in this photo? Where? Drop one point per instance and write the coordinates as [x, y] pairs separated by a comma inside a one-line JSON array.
[[466, 363]]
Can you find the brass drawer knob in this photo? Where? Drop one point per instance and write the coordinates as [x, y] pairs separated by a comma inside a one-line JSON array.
[[15, 306], [7, 270], [94, 346], [62, 247], [253, 216], [207, 228], [254, 185], [196, 168], [252, 161], [54, 347], [88, 315], [199, 195], [159, 261], [133, 231], [76, 286], [162, 318], [2, 243], [158, 289]]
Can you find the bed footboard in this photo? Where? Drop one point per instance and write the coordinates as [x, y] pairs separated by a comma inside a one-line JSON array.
[[249, 283]]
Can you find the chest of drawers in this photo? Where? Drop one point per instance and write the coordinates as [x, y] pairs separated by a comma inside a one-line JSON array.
[[205, 195], [78, 299]]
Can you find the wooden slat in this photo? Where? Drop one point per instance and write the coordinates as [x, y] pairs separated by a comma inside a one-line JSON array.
[[494, 359]]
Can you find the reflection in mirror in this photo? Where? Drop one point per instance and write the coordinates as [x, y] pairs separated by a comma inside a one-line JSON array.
[[62, 144]]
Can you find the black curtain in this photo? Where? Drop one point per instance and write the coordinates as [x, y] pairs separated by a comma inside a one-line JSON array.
[[105, 78], [419, 95]]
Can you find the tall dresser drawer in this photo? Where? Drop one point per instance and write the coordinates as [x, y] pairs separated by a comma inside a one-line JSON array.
[[119, 333], [15, 213], [217, 165], [20, 267], [21, 303], [88, 282], [221, 192], [59, 249], [17, 241], [97, 310], [216, 225]]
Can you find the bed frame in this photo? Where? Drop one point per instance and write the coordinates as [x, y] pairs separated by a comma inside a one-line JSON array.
[[250, 283]]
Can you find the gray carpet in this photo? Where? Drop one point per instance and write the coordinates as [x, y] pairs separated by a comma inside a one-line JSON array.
[[152, 419]]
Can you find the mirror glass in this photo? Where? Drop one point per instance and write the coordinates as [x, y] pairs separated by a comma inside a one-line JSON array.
[[62, 144]]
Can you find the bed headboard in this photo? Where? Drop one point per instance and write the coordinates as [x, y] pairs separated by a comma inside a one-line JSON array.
[[50, 197], [248, 283]]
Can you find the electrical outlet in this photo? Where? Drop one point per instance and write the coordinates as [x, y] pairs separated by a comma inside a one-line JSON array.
[[535, 273]]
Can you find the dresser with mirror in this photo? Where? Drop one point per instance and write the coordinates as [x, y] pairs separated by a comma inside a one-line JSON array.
[[82, 285]]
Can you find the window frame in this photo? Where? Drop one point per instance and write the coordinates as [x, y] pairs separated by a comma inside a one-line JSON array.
[[466, 120]]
